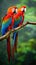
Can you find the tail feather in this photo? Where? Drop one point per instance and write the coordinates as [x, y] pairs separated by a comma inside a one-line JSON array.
[[15, 43], [14, 48], [8, 48]]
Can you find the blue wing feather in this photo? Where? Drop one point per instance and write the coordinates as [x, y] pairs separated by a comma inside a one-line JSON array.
[[5, 26], [16, 22]]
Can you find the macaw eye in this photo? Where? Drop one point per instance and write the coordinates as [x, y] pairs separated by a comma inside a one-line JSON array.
[[23, 9], [14, 10]]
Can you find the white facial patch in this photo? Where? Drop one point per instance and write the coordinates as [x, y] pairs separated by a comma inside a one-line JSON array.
[[23, 9], [13, 10]]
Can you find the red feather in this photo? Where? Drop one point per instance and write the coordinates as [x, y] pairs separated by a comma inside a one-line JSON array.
[[8, 46]]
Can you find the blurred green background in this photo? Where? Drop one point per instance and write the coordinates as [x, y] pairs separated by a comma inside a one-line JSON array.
[[26, 49]]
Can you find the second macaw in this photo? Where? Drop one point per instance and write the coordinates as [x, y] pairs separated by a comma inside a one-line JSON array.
[[7, 24], [18, 21]]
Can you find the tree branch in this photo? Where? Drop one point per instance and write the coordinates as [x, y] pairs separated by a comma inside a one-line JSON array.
[[32, 23], [15, 29]]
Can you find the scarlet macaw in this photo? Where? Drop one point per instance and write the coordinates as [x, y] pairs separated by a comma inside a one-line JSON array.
[[7, 23], [18, 20]]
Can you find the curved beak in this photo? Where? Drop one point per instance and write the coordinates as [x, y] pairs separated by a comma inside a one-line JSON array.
[[25, 9]]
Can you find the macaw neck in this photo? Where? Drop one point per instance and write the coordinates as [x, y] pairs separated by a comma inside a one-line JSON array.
[[18, 15], [8, 15]]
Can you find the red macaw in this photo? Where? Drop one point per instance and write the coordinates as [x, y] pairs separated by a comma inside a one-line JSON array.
[[7, 24], [18, 20]]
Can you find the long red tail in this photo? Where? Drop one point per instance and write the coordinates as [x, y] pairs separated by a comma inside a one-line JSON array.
[[14, 49], [8, 48], [15, 43]]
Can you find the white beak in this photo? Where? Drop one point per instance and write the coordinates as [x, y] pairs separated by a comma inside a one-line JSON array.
[[25, 9]]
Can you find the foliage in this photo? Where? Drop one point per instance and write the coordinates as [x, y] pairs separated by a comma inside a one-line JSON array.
[[26, 49]]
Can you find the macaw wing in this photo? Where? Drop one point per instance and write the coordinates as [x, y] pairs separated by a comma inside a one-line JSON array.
[[17, 21], [5, 24]]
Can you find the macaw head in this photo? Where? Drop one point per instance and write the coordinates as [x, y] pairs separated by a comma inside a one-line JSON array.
[[22, 9], [12, 10]]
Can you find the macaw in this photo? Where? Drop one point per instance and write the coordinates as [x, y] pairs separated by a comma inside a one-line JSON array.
[[18, 21], [7, 24]]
